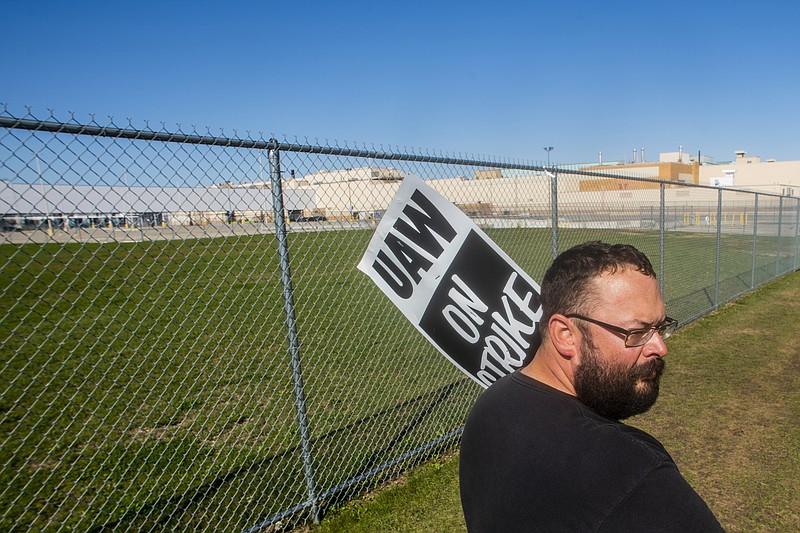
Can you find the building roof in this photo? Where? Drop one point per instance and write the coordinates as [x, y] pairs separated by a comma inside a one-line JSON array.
[[18, 198]]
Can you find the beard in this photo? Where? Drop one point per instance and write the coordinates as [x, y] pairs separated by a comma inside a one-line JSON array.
[[614, 390]]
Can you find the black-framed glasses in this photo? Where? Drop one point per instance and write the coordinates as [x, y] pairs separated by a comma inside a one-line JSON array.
[[635, 337]]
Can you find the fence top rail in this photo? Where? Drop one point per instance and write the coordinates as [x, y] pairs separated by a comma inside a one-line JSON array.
[[259, 144], [75, 128]]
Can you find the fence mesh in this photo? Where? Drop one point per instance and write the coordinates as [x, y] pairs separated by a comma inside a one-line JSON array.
[[181, 350]]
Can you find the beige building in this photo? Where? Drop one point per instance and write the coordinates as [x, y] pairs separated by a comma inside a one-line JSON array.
[[744, 172], [364, 193], [670, 171], [751, 173]]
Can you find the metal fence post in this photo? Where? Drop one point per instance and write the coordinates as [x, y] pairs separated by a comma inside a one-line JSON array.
[[755, 242], [719, 244], [291, 326], [554, 210], [778, 241], [662, 222], [796, 231]]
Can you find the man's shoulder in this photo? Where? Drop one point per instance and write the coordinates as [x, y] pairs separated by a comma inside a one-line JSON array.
[[636, 443], [518, 399], [517, 396], [519, 385]]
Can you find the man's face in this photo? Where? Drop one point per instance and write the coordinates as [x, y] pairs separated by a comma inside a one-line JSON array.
[[613, 380]]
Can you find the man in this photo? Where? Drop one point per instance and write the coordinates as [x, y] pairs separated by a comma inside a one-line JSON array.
[[543, 448]]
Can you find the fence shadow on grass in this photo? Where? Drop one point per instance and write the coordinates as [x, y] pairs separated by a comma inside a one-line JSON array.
[[171, 510]]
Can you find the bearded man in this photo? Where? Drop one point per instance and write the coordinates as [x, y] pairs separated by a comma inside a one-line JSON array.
[[543, 448]]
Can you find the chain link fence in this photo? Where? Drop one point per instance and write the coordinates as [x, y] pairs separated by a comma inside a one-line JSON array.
[[187, 342]]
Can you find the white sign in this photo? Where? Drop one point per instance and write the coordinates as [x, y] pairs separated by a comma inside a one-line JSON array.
[[727, 181], [457, 287]]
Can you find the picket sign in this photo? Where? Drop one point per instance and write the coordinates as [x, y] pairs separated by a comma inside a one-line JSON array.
[[458, 288]]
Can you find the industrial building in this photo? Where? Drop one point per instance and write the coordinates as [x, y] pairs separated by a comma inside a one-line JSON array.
[[364, 194]]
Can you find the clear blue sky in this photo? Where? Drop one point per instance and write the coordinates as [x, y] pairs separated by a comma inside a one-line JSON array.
[[500, 78]]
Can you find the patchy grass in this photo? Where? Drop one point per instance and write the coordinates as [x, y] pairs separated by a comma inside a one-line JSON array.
[[422, 501], [729, 414], [147, 384]]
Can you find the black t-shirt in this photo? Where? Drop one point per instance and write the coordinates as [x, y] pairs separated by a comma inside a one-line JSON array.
[[536, 459]]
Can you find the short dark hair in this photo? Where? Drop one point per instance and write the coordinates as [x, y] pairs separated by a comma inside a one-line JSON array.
[[567, 284]]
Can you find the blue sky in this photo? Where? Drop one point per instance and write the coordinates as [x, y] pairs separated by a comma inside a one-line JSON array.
[[499, 79]]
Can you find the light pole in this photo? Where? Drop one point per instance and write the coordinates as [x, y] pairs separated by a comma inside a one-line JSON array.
[[548, 149]]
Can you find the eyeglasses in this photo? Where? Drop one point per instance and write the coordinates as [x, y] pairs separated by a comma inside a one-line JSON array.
[[636, 337]]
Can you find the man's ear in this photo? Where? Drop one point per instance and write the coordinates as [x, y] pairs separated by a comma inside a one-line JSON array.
[[564, 335]]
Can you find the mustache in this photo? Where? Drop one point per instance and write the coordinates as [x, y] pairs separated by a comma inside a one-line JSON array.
[[649, 369]]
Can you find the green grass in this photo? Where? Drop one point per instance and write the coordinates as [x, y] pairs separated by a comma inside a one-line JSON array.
[[148, 384], [728, 414], [424, 500], [143, 377]]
